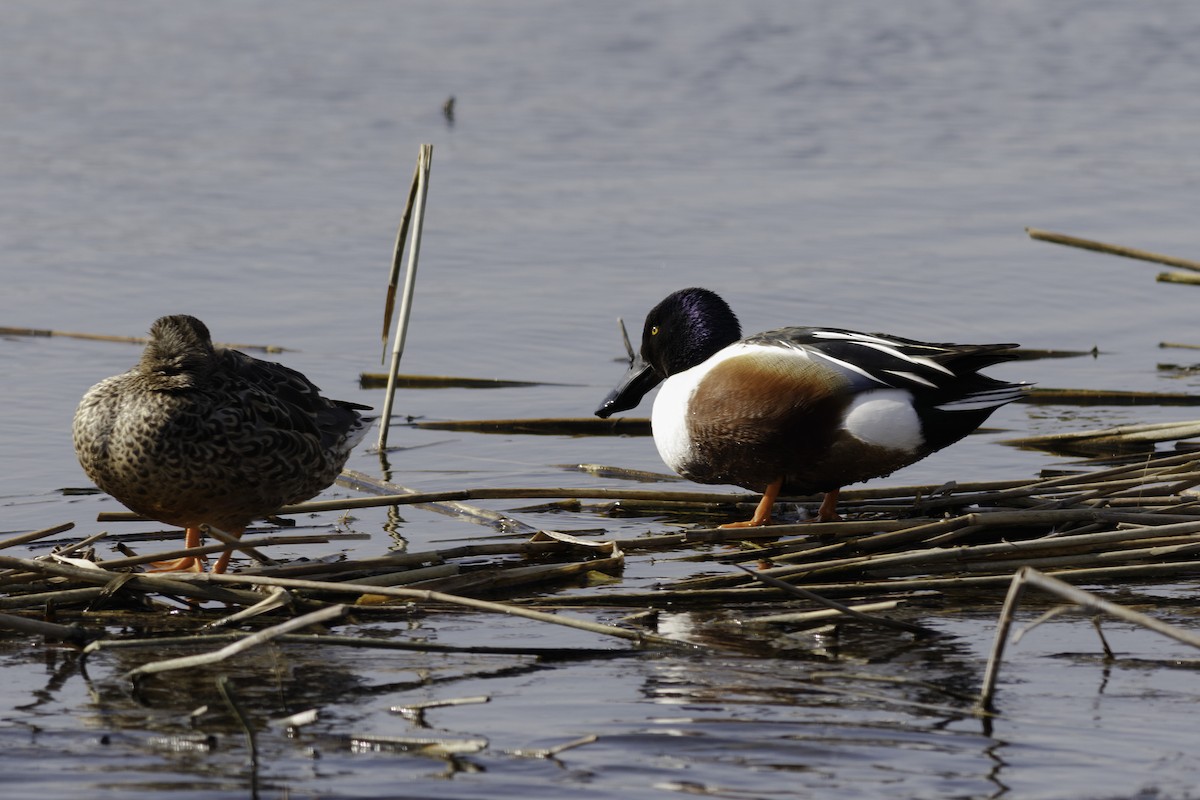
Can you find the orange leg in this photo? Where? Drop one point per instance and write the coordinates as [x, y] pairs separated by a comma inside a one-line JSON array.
[[828, 510], [185, 563], [223, 561], [762, 514]]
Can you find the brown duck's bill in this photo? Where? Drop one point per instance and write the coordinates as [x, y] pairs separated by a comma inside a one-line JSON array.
[[639, 380]]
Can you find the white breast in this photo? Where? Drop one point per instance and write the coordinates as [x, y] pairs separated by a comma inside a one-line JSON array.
[[668, 419]]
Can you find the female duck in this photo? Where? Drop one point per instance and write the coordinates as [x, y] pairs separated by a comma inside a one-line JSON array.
[[197, 434], [801, 409]]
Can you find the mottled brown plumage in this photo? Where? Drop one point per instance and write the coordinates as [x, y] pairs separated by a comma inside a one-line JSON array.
[[197, 434]]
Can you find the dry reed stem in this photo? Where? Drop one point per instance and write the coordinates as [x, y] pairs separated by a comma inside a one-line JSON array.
[[33, 536], [424, 156], [1112, 249], [318, 617], [848, 611], [364, 482], [1178, 277], [428, 596], [141, 340]]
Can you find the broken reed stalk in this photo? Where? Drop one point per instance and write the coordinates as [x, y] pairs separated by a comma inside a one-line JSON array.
[[317, 617], [410, 282], [1112, 249], [359, 643], [883, 622], [397, 257], [33, 536], [1178, 277], [100, 337], [364, 482], [431, 597], [1027, 576]]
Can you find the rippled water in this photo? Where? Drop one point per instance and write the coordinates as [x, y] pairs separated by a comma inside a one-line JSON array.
[[868, 165]]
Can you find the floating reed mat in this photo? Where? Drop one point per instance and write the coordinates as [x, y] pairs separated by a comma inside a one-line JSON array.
[[1135, 522]]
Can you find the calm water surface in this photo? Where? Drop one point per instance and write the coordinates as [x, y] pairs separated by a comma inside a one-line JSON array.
[[868, 165]]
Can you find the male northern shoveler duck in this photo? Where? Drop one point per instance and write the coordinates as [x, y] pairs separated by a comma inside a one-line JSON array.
[[199, 434], [806, 409]]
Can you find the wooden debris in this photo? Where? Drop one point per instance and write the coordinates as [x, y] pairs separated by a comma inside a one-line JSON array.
[[1112, 249]]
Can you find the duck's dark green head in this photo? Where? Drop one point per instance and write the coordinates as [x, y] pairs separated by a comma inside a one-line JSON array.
[[682, 331]]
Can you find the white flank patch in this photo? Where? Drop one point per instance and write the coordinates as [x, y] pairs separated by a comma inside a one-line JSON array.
[[885, 417]]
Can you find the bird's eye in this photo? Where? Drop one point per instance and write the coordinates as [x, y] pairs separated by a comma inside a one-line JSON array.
[[654, 331]]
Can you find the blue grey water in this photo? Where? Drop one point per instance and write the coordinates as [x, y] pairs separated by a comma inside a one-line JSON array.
[[869, 165]]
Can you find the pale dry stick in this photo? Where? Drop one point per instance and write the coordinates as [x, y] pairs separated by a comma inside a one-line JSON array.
[[320, 616], [1119, 434], [100, 337], [883, 622], [552, 752], [932, 557], [397, 257], [1149, 467], [438, 747], [33, 536], [361, 643], [82, 543], [1125, 489], [364, 482], [410, 282], [278, 598], [814, 617], [1112, 249], [1178, 277], [416, 711], [1027, 576], [433, 597]]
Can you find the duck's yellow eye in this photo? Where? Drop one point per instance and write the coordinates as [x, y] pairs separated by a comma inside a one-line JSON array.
[[654, 331]]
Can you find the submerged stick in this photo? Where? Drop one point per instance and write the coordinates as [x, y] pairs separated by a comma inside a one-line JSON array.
[[410, 282], [1112, 249], [262, 637]]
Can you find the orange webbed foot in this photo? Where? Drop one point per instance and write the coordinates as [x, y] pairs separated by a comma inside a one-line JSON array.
[[184, 564], [762, 514], [828, 510], [191, 538]]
